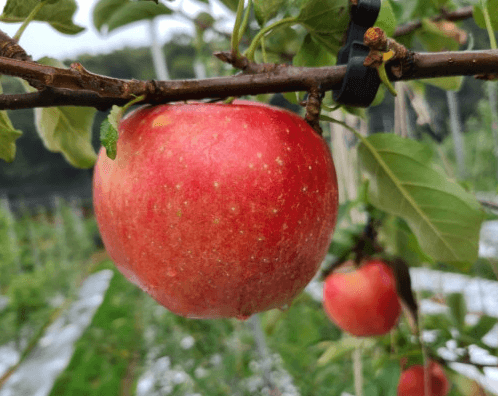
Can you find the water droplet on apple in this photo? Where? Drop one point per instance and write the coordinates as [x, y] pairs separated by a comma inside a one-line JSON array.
[[171, 272], [243, 317]]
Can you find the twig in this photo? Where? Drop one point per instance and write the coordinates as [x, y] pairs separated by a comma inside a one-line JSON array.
[[489, 205], [458, 15]]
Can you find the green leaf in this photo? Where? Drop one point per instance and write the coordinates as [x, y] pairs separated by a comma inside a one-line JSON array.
[[59, 15], [388, 377], [379, 96], [114, 14], [104, 10], [343, 346], [386, 19], [109, 138], [8, 136], [312, 54], [293, 97], [109, 131], [440, 3], [482, 327], [326, 20], [403, 11], [264, 10], [444, 217], [446, 83], [458, 309], [478, 14], [66, 129], [357, 111], [115, 116], [408, 246], [434, 39], [231, 4]]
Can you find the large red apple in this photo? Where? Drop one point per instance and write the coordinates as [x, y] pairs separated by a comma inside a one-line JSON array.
[[411, 381], [217, 210], [363, 302]]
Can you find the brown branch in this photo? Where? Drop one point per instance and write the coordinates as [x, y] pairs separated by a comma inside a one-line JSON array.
[[489, 205], [458, 15], [78, 87], [11, 49], [455, 63]]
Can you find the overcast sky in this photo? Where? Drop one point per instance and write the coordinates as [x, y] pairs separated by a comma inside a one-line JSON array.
[[40, 39]]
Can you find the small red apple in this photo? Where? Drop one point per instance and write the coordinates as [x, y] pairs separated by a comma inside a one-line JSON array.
[[363, 302], [217, 210], [411, 381]]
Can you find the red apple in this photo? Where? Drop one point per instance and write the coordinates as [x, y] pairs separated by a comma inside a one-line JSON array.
[[363, 302], [411, 381], [217, 210]]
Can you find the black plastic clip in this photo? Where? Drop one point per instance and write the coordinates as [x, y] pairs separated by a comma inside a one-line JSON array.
[[360, 83]]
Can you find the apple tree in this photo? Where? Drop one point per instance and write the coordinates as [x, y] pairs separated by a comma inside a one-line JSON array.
[[220, 207]]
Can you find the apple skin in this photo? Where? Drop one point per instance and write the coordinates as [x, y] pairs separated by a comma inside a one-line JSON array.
[[411, 381], [363, 302], [217, 210]]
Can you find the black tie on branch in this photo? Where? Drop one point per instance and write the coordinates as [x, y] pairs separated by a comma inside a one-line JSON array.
[[360, 84]]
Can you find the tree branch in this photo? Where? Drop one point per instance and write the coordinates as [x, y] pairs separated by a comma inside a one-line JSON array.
[[78, 87], [489, 205], [458, 15]]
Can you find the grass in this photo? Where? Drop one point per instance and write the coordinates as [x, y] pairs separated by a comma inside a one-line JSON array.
[[43, 259], [100, 363]]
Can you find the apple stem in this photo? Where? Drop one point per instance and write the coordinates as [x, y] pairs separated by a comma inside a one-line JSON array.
[[358, 371], [313, 107]]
